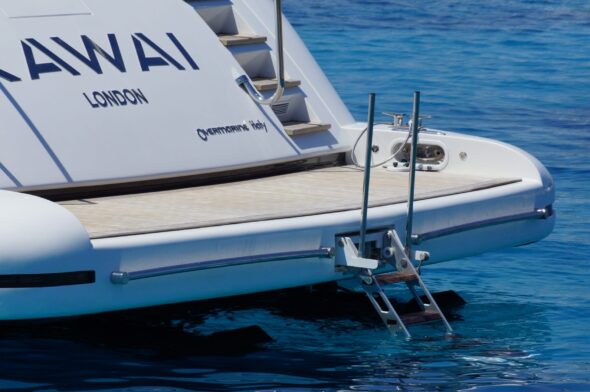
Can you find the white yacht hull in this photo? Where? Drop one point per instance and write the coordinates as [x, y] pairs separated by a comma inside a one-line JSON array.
[[169, 267], [227, 244], [120, 97]]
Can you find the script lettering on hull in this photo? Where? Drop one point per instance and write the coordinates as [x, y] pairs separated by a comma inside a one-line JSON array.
[[206, 133]]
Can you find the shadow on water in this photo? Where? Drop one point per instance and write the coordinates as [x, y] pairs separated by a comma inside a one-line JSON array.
[[221, 345]]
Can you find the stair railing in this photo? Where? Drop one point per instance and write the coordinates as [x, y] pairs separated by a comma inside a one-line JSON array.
[[245, 81]]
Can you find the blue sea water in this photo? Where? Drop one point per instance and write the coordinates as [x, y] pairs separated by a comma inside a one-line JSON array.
[[517, 71]]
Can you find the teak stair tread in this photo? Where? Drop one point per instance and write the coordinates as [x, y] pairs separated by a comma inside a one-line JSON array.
[[241, 39], [396, 277], [420, 317], [300, 128], [266, 84]]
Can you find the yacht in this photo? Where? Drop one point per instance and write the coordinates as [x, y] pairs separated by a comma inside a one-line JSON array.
[[160, 152]]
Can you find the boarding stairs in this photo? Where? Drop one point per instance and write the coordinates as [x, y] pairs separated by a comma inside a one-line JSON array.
[[394, 255], [255, 55]]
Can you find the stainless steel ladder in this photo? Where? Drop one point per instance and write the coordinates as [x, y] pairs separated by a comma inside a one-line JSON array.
[[404, 272], [392, 250]]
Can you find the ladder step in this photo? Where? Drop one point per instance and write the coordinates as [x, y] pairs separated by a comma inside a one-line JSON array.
[[264, 84], [396, 277], [293, 128], [421, 317], [241, 39]]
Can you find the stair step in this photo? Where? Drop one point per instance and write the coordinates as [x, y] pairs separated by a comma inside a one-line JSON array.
[[420, 317], [396, 277], [265, 84], [293, 128], [241, 39]]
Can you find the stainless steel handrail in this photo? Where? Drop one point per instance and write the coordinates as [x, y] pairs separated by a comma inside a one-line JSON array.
[[367, 174], [541, 213], [412, 177], [122, 277], [245, 81]]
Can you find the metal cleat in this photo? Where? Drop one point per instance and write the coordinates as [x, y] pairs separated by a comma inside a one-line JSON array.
[[397, 119]]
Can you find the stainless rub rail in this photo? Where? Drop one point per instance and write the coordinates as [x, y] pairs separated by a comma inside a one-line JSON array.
[[121, 277], [541, 213]]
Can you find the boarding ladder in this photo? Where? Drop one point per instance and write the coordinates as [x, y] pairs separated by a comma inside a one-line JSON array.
[[393, 254], [392, 250]]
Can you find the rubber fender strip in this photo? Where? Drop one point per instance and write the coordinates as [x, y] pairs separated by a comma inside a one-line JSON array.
[[47, 280]]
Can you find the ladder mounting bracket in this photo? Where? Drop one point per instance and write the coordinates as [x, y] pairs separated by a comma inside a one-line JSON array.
[[347, 256]]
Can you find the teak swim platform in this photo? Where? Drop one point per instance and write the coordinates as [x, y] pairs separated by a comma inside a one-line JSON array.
[[307, 193]]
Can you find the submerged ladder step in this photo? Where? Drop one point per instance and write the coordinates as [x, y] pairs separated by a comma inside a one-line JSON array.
[[396, 277], [241, 39], [266, 84], [293, 128], [424, 316]]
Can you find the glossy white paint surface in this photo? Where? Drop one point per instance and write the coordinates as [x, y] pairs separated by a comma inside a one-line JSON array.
[[51, 136]]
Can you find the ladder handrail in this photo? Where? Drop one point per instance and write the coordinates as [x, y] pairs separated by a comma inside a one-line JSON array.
[[245, 81], [367, 175], [412, 180]]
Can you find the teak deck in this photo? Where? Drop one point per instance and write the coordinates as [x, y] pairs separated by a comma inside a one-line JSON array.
[[305, 193]]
